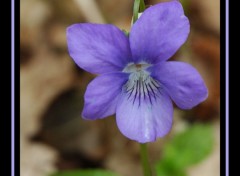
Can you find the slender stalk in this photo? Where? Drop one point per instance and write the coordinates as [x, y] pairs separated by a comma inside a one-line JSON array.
[[135, 10], [139, 6], [144, 159]]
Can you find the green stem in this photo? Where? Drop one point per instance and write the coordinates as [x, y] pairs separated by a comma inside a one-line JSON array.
[[139, 6], [145, 162]]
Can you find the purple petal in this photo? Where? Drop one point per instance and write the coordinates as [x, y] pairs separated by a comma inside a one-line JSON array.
[[102, 95], [147, 122], [182, 82], [159, 32], [98, 48]]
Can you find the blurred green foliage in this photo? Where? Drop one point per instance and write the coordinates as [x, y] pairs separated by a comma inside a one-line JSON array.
[[185, 149], [85, 173]]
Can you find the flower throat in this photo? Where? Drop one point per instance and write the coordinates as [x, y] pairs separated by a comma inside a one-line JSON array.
[[140, 85]]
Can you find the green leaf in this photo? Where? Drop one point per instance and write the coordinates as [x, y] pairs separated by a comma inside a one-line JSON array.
[[185, 149], [142, 6], [161, 171], [85, 173]]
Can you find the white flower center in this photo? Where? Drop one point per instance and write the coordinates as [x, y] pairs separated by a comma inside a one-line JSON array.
[[140, 85]]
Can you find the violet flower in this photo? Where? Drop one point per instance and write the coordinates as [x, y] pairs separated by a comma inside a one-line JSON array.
[[135, 80]]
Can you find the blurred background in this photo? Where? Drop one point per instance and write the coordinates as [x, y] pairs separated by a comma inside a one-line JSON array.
[[55, 139]]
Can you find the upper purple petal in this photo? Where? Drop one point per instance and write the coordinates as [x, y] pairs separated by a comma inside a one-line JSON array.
[[182, 82], [159, 32], [98, 48], [147, 120], [102, 94]]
